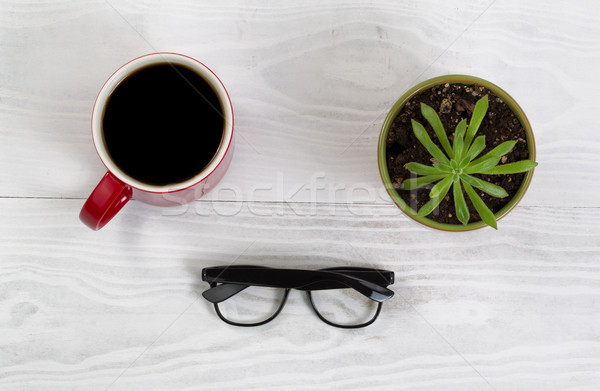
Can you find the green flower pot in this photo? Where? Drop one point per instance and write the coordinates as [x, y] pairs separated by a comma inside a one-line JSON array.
[[452, 79]]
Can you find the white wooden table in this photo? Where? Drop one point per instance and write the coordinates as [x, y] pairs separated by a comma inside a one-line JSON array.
[[119, 309]]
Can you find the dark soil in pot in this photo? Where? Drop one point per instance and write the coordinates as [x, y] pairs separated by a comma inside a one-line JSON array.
[[453, 103]]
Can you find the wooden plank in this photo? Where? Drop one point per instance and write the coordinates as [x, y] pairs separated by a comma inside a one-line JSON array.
[[311, 84], [512, 308]]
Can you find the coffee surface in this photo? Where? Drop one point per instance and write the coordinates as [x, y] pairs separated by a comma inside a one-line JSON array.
[[163, 124]]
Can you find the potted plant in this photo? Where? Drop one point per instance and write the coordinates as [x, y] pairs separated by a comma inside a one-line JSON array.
[[456, 153]]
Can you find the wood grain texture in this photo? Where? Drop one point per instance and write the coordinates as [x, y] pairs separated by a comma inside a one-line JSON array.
[[517, 309], [311, 83]]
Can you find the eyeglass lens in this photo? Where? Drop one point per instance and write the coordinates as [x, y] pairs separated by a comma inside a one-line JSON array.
[[344, 307], [253, 305]]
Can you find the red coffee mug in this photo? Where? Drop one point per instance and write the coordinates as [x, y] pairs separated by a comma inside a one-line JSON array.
[[116, 187]]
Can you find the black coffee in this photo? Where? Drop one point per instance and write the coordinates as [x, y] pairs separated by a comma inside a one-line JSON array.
[[163, 124]]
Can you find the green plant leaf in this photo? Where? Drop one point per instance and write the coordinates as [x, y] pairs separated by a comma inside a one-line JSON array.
[[511, 168], [478, 113], [422, 169], [460, 206], [434, 202], [415, 183], [441, 187], [490, 188], [423, 137], [432, 117], [476, 148], [500, 150], [484, 212], [479, 168], [443, 167], [459, 139]]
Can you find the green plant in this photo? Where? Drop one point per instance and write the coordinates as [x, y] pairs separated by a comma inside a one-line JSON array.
[[456, 168]]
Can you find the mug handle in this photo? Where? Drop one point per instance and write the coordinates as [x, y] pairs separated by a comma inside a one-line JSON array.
[[105, 202]]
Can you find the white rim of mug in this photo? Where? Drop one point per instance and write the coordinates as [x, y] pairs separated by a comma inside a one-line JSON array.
[[129, 68]]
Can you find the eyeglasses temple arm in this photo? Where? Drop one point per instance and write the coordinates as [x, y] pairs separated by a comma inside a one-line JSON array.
[[366, 288], [222, 292]]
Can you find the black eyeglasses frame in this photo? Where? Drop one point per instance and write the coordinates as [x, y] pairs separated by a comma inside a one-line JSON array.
[[226, 281]]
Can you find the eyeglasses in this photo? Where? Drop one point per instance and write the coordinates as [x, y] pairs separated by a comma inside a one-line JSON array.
[[346, 297]]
